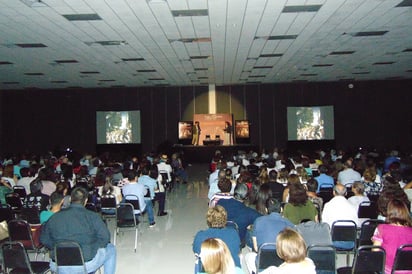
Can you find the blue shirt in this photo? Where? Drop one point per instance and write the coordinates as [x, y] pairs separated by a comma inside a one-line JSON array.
[[149, 182], [324, 179]]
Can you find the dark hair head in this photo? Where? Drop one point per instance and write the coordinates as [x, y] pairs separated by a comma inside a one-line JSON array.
[[145, 170], [79, 195], [312, 185], [154, 172], [264, 193], [36, 186], [273, 205], [323, 169], [297, 194], [273, 175], [61, 187], [131, 175], [225, 185], [24, 172], [56, 198]]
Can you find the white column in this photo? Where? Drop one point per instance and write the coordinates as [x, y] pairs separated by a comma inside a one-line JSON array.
[[212, 99]]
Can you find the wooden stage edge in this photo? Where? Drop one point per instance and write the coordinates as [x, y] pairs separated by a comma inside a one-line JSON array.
[[204, 154]]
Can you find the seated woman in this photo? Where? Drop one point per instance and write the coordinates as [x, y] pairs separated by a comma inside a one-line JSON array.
[[216, 219], [396, 232], [216, 258], [299, 207], [291, 248]]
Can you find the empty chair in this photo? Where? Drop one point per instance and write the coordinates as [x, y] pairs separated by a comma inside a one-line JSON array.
[[368, 210], [21, 231], [69, 253], [367, 229], [368, 259], [344, 234], [324, 257], [6, 214], [30, 214], [13, 199], [16, 260], [267, 256], [126, 220], [403, 259]]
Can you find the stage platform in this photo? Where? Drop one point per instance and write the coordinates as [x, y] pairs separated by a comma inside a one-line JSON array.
[[204, 154]]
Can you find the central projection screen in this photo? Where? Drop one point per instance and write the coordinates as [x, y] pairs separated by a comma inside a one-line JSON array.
[[310, 123], [118, 127]]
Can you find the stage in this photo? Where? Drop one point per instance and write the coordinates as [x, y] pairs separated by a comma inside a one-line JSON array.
[[204, 154]]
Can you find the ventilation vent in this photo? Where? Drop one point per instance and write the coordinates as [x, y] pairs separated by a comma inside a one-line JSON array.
[[342, 52], [107, 43], [301, 8], [146, 70], [322, 65], [199, 57], [277, 37], [58, 82], [32, 45], [107, 80], [200, 69], [5, 63], [384, 63], [405, 3], [263, 67], [181, 13], [272, 55], [89, 72], [192, 40], [407, 50], [11, 83], [34, 73], [369, 33], [308, 74], [132, 59], [65, 61], [82, 17], [362, 72]]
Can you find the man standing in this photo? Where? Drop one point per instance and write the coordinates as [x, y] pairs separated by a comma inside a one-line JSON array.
[[85, 227], [196, 133]]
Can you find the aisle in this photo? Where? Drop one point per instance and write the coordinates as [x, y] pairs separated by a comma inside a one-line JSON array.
[[167, 248]]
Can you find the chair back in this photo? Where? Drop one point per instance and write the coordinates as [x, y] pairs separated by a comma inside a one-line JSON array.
[[344, 231], [369, 259], [324, 257], [13, 199], [15, 258], [326, 192], [368, 210], [133, 200], [30, 214], [349, 192], [108, 202], [20, 190], [69, 253], [232, 224], [91, 207], [403, 258], [6, 214], [367, 229], [19, 230], [125, 216], [267, 256]]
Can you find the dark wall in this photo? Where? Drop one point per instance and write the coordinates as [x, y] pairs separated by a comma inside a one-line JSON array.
[[372, 113]]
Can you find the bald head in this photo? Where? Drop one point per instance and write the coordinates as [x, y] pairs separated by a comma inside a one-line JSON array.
[[339, 190]]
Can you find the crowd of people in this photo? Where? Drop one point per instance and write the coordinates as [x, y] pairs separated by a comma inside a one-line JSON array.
[[51, 183], [268, 195]]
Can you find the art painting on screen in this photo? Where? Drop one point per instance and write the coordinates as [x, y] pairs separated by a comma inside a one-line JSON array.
[[118, 127], [242, 129], [185, 130]]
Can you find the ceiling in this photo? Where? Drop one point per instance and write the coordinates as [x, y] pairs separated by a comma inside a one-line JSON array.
[[51, 44]]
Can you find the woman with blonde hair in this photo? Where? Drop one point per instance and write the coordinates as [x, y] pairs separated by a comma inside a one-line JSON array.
[[291, 247], [216, 258]]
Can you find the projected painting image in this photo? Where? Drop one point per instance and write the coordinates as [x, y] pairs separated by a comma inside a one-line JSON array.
[[310, 124], [118, 128]]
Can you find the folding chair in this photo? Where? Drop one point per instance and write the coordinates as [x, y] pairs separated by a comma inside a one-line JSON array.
[[344, 234], [30, 214], [69, 253], [324, 257], [126, 219], [108, 205], [13, 199], [369, 259], [366, 232], [326, 192], [20, 190], [6, 214], [20, 230], [16, 260], [403, 258], [368, 210], [267, 256]]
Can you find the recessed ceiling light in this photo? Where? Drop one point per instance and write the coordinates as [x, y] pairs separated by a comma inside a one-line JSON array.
[[369, 33], [199, 12], [344, 52], [31, 45], [82, 17], [301, 8]]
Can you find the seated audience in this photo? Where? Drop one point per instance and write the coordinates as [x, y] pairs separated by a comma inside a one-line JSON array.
[[159, 190], [348, 175], [359, 195], [265, 230], [311, 188], [5, 188], [391, 191], [36, 198], [299, 208], [275, 186], [396, 232], [371, 183], [78, 224], [291, 247], [324, 179], [178, 169], [56, 202], [63, 188], [216, 219], [216, 259], [225, 186]]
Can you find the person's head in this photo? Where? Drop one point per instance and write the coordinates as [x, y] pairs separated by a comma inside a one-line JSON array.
[[297, 194], [241, 192], [225, 185], [62, 188], [263, 194], [290, 246], [273, 175], [146, 170], [293, 179], [358, 188], [323, 169], [132, 176], [398, 213], [24, 172], [339, 190], [273, 205], [56, 199], [79, 196], [36, 186], [312, 185], [216, 257], [216, 217], [369, 175]]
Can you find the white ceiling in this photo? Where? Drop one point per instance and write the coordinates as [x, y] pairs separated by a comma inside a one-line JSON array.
[[159, 42]]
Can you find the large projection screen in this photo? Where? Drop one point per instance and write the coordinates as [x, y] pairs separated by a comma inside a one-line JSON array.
[[118, 127], [310, 123]]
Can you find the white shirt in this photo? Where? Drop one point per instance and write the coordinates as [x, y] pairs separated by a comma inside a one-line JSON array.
[[338, 208], [165, 168], [348, 176]]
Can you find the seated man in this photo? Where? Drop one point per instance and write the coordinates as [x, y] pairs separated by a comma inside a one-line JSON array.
[[76, 223], [216, 219], [265, 230], [56, 202]]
